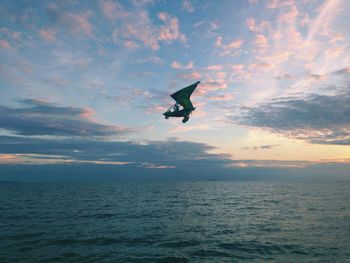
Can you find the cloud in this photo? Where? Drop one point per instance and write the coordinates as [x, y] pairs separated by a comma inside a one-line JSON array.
[[215, 67], [72, 159], [258, 28], [187, 6], [261, 43], [137, 26], [170, 31], [130, 44], [112, 10], [261, 147], [320, 119], [155, 60], [206, 29], [273, 4], [177, 65], [260, 66], [149, 154], [211, 85], [316, 77], [223, 97], [290, 16], [5, 44], [48, 34], [43, 118], [78, 23], [193, 75], [231, 48], [343, 72]]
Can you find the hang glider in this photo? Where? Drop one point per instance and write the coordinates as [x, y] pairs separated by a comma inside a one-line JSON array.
[[183, 106]]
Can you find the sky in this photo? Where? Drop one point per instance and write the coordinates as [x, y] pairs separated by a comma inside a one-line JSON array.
[[84, 84]]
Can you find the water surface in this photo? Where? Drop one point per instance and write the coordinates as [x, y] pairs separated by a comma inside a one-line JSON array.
[[204, 221]]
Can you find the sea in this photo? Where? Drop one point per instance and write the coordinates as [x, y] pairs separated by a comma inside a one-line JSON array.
[[175, 221]]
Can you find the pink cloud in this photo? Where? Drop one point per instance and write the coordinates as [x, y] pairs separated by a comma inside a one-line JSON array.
[[336, 38], [261, 66], [78, 23], [112, 10], [130, 44], [261, 43], [5, 44], [192, 75], [335, 52], [253, 26], [81, 24], [187, 6], [290, 16], [235, 44], [155, 109], [48, 34], [273, 4], [86, 113], [177, 65], [293, 36], [16, 35], [171, 30], [224, 97], [305, 21], [230, 48], [138, 27], [237, 68], [214, 67], [220, 74], [211, 85]]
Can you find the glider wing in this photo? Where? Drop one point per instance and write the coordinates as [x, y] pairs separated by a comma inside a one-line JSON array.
[[183, 96]]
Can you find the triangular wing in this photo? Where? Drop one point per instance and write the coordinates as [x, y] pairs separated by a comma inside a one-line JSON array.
[[183, 96]]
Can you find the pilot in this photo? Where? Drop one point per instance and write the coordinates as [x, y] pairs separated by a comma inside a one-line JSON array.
[[176, 107]]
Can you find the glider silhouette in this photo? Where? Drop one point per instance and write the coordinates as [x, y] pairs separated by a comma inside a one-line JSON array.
[[183, 106]]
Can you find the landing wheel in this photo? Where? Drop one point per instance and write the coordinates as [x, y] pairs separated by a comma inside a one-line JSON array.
[[166, 117], [184, 120]]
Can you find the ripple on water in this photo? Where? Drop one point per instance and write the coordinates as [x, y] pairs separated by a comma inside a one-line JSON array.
[[175, 222]]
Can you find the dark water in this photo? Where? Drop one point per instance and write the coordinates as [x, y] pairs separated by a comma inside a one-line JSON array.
[[175, 222]]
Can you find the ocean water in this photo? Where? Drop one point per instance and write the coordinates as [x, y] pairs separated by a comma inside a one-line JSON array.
[[204, 221]]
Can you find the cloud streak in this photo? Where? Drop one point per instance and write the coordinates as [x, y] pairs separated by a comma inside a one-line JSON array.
[[42, 118], [319, 119]]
